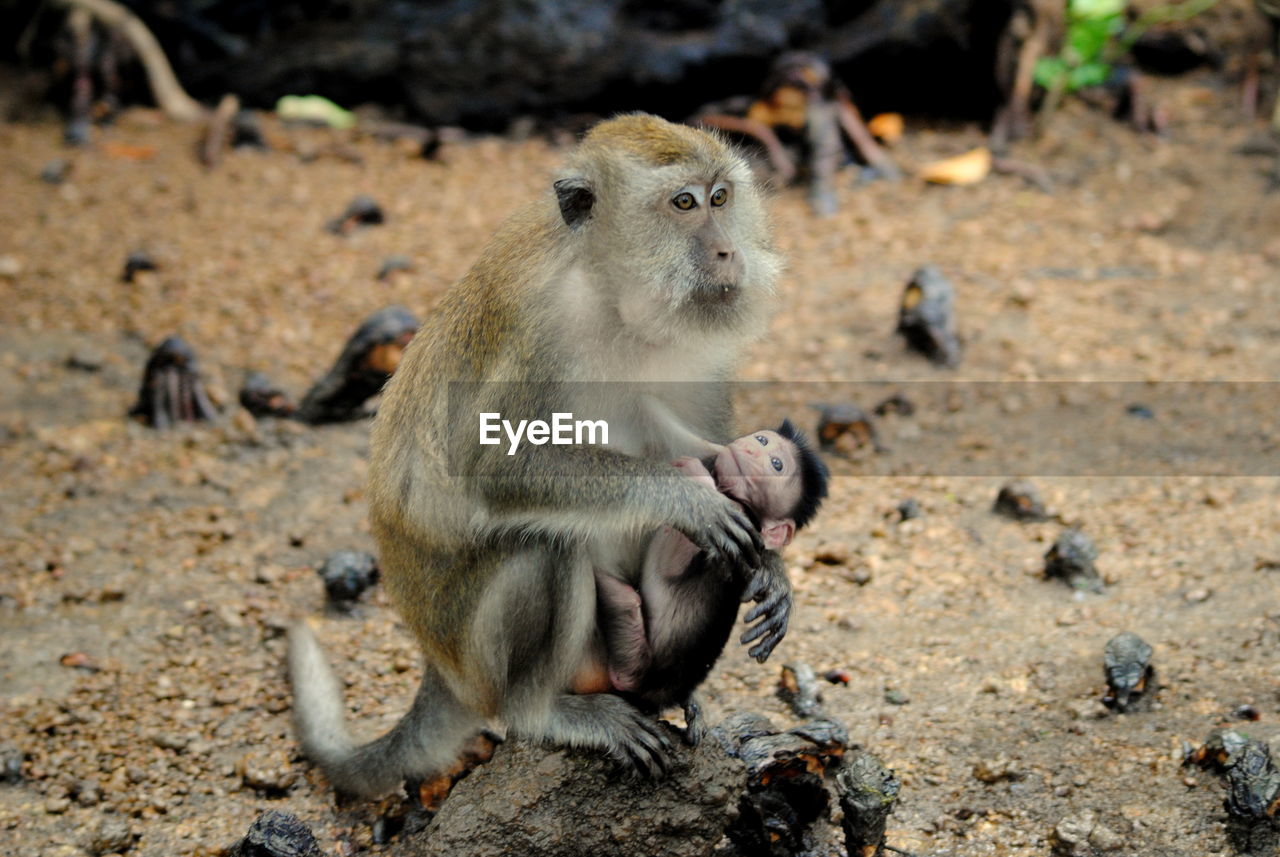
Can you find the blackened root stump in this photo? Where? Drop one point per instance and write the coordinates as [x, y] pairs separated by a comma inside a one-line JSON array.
[[368, 359], [172, 391]]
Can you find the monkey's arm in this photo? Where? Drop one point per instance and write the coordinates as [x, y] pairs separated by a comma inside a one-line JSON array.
[[679, 435], [589, 492], [770, 588]]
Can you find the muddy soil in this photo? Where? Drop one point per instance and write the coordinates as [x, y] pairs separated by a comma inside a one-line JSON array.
[[169, 564]]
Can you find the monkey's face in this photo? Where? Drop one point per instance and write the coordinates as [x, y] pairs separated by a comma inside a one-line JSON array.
[[718, 271], [761, 471], [672, 225]]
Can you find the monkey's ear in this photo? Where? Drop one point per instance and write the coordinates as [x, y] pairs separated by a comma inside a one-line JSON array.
[[777, 534], [576, 198]]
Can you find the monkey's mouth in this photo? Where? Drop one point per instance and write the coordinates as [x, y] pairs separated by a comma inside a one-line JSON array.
[[716, 294]]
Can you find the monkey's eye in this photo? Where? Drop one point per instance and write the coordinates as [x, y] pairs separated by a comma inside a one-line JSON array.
[[684, 201], [777, 463], [720, 197], [764, 441]]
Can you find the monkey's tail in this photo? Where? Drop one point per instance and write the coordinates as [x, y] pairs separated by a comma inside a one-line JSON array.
[[424, 742]]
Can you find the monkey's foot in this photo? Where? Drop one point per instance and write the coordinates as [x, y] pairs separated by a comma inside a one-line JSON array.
[[172, 391], [368, 359], [606, 722], [695, 723]]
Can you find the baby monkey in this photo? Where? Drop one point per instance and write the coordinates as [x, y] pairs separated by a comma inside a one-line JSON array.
[[662, 627]]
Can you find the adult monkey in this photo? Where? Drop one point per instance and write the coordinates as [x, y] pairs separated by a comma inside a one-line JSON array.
[[651, 263]]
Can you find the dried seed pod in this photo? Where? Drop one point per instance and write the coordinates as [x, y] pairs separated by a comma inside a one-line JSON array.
[[1253, 801], [1127, 660], [1020, 501], [138, 260], [898, 403], [1220, 751], [1071, 559], [172, 390], [277, 834], [361, 211], [346, 575], [262, 398], [392, 264], [836, 421], [867, 792], [798, 687], [367, 360], [909, 510], [926, 316]]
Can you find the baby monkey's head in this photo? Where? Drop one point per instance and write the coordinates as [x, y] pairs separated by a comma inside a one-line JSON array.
[[778, 478]]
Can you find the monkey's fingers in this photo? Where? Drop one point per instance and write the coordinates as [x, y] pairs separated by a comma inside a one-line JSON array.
[[765, 647]]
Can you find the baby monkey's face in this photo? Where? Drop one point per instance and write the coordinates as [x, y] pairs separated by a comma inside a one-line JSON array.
[[760, 470]]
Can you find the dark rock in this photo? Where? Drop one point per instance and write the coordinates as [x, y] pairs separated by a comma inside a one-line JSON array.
[[909, 510], [172, 390], [346, 575], [277, 834], [55, 171], [1020, 501], [260, 397], [798, 687], [113, 835], [11, 759], [926, 316], [394, 263], [1130, 675], [138, 260], [1253, 801], [1071, 560]]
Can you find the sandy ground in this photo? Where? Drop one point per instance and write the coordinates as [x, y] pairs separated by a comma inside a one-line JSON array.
[[172, 562]]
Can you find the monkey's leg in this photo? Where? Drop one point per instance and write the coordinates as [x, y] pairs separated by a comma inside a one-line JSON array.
[[425, 742], [622, 622]]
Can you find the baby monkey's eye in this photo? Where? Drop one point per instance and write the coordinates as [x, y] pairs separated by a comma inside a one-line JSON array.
[[684, 201], [777, 464], [720, 197], [764, 441]]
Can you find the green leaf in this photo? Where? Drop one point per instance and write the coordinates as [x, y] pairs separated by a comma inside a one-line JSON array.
[[1097, 8], [1050, 71], [1089, 74]]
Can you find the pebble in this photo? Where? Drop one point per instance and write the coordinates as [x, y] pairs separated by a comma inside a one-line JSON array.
[[112, 836]]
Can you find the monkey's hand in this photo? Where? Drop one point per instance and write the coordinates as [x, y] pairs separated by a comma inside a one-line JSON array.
[[770, 588], [718, 526]]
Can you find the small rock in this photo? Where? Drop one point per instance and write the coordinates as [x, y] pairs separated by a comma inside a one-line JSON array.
[[995, 770], [113, 835], [361, 211], [832, 553], [57, 805], [1071, 560], [909, 510], [267, 771], [85, 359], [11, 759], [926, 317], [394, 263], [1127, 664], [1082, 836], [55, 171], [1020, 501], [893, 696], [346, 575], [10, 267], [1197, 596], [138, 260]]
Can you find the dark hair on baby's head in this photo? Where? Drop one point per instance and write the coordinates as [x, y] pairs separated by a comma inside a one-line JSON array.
[[814, 475]]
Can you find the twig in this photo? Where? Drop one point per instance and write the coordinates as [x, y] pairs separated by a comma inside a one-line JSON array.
[[166, 89], [215, 136]]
